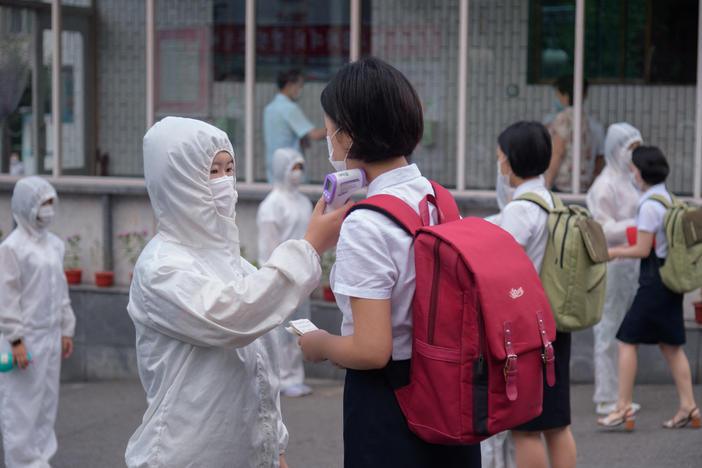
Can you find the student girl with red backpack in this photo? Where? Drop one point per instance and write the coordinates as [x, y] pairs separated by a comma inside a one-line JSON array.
[[374, 121], [523, 154]]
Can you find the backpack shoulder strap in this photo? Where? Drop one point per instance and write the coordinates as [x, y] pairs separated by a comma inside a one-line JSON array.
[[445, 203], [393, 208], [534, 198], [661, 199]]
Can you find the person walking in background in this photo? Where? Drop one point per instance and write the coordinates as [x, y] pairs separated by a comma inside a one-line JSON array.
[[559, 174], [656, 315], [284, 123], [612, 199], [284, 215], [561, 101], [35, 318], [523, 154]]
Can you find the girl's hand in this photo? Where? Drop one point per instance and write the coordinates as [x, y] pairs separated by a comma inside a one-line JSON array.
[[283, 464], [311, 344], [19, 356], [66, 347], [323, 229], [612, 253]]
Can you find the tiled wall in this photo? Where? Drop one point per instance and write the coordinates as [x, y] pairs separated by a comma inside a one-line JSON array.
[[498, 32]]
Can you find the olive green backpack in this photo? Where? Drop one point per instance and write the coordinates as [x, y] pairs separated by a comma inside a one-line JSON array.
[[682, 270], [574, 270]]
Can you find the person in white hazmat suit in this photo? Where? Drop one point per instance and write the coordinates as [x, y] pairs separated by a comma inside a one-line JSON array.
[[284, 215], [200, 310], [36, 318], [613, 201]]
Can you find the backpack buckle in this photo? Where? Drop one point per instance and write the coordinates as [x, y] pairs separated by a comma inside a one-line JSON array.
[[510, 373], [549, 359]]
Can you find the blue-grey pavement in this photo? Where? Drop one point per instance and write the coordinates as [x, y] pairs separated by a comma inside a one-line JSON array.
[[95, 420]]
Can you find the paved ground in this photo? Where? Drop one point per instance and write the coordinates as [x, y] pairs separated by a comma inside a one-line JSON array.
[[96, 419]]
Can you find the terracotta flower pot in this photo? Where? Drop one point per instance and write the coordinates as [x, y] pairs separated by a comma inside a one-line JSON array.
[[74, 276], [104, 279], [698, 312], [328, 294]]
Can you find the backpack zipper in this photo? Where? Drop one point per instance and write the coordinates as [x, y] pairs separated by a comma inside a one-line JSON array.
[[434, 292], [565, 234]]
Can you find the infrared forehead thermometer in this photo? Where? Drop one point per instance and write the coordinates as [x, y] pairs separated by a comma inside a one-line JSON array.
[[339, 186]]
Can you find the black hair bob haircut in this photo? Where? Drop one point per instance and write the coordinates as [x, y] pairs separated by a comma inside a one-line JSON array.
[[288, 76], [375, 105], [564, 85], [652, 164], [527, 146]]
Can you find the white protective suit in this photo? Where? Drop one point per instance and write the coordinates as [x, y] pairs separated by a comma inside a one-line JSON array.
[[284, 215], [35, 307], [200, 313], [613, 201]]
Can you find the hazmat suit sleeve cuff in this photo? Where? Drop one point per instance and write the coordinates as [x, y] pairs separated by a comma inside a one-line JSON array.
[[68, 322], [286, 253]]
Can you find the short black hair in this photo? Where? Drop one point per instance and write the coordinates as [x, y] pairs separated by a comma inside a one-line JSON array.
[[652, 164], [288, 76], [564, 85], [375, 105], [527, 146]]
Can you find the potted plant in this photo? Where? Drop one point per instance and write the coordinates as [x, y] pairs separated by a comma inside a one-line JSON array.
[[72, 257], [133, 243], [327, 260], [103, 278], [698, 310]]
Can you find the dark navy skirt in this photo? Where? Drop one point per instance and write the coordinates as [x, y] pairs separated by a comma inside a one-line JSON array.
[[376, 434], [656, 315], [556, 402]]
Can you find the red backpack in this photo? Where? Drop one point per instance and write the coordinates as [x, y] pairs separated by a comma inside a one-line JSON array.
[[482, 325]]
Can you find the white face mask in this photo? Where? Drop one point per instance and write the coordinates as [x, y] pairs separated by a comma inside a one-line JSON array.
[[338, 165], [296, 177], [45, 216], [505, 192], [224, 194]]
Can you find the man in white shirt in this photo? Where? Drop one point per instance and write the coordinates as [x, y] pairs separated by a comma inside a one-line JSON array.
[[284, 123]]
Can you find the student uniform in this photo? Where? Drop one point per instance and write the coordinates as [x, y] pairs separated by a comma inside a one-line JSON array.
[[375, 260], [528, 224], [656, 316]]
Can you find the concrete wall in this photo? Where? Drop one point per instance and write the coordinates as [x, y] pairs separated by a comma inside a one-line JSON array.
[[105, 340]]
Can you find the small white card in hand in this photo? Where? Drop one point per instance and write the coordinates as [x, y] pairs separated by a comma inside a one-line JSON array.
[[300, 327]]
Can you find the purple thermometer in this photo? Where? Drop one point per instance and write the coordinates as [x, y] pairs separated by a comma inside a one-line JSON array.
[[339, 186]]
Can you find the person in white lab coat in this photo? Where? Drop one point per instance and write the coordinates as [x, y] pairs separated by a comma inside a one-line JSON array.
[[283, 215], [200, 310], [613, 201], [36, 318]]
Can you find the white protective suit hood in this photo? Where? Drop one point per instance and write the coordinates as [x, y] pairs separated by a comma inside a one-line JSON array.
[[202, 313], [283, 161], [619, 137], [178, 154], [27, 197]]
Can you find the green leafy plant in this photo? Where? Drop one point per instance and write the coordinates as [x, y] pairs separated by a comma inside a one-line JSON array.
[[72, 256], [133, 243]]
